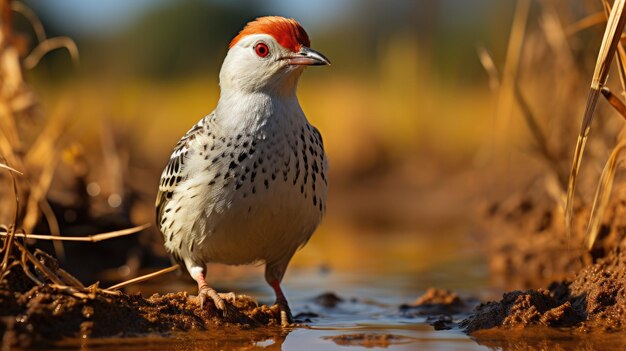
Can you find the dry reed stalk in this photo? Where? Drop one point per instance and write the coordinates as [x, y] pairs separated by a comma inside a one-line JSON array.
[[586, 22], [538, 135], [69, 279], [8, 244], [41, 267], [89, 238], [490, 67], [617, 104], [48, 45], [3, 166], [144, 277], [555, 34], [621, 53], [505, 99], [31, 16], [612, 34], [603, 194]]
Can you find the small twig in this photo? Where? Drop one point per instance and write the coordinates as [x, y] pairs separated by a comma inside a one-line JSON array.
[[11, 265], [621, 53], [539, 136], [89, 238], [490, 67], [48, 45], [70, 279], [41, 267], [603, 194], [617, 104], [144, 277], [11, 232], [53, 225], [26, 270], [31, 16], [505, 99], [3, 166], [30, 275], [586, 22], [70, 290]]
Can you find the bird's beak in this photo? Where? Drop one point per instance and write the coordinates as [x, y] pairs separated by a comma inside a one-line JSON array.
[[308, 57]]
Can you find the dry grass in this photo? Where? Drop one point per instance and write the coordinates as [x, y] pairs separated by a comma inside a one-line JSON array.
[[549, 53], [610, 41], [540, 234], [34, 154], [603, 193], [30, 159]]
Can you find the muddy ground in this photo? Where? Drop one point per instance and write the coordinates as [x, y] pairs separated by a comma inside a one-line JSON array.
[[556, 281], [32, 314], [594, 301]]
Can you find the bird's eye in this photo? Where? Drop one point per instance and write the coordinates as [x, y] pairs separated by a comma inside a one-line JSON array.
[[261, 49]]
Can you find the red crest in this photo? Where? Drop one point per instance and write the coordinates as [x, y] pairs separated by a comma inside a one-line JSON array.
[[286, 31]]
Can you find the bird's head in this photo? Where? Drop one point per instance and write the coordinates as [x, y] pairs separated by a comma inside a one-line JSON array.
[[269, 54]]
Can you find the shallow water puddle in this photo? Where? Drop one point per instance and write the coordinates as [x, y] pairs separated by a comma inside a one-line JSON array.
[[362, 312], [361, 316]]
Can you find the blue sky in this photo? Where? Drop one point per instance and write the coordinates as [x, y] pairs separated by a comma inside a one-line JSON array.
[[104, 15]]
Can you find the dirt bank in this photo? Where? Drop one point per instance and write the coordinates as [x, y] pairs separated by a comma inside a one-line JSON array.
[[528, 246], [593, 301]]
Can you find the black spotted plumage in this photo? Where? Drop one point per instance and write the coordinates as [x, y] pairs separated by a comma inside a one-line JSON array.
[[173, 173]]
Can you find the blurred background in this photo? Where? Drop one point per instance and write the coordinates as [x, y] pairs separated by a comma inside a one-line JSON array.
[[407, 111]]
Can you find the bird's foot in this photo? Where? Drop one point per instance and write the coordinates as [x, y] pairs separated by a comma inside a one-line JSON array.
[[230, 297], [205, 292], [286, 319]]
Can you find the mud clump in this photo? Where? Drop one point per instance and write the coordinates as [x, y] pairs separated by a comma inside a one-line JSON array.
[[594, 300], [439, 306], [436, 302], [33, 314], [519, 309]]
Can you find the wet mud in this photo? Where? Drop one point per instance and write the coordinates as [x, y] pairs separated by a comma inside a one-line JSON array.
[[593, 301], [556, 285], [442, 308], [32, 314]]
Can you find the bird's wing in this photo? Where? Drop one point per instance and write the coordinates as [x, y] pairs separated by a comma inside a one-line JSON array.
[[320, 142], [174, 172]]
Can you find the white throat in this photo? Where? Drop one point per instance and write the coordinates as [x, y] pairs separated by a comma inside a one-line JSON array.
[[247, 112], [256, 93]]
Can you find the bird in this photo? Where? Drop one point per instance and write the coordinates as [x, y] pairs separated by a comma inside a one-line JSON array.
[[248, 182]]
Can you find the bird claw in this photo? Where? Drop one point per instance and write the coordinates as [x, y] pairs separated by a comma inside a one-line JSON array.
[[286, 319], [206, 292], [230, 297]]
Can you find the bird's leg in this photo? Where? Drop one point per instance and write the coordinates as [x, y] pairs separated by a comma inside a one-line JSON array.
[[285, 312], [204, 291]]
